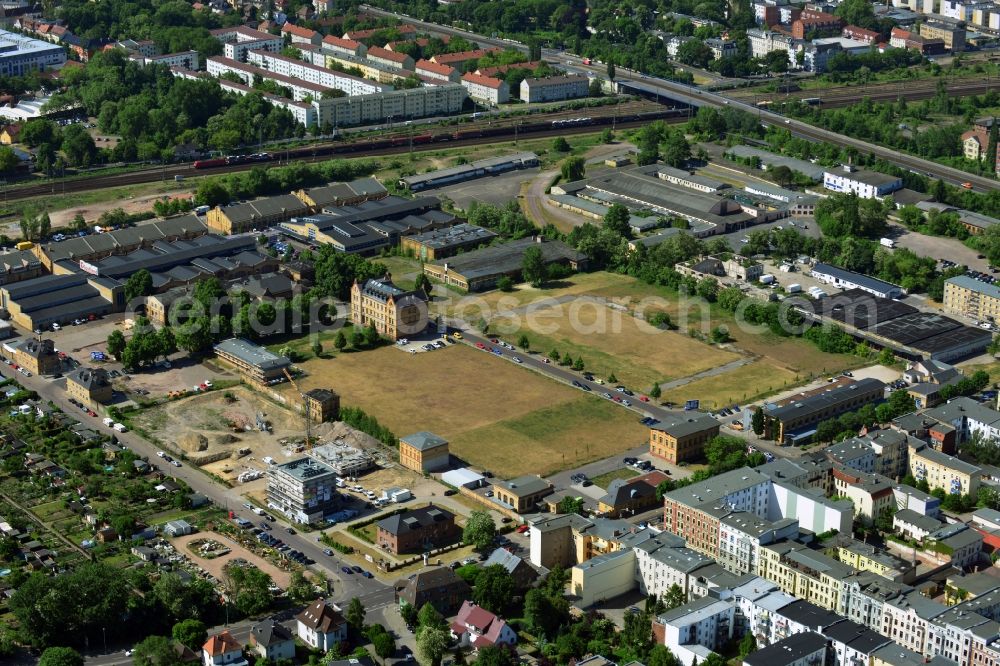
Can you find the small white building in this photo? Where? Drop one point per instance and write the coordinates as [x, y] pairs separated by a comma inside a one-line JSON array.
[[866, 184], [477, 627], [222, 650], [554, 88], [486, 89]]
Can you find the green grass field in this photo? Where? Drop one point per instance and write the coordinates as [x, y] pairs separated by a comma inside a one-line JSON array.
[[604, 480]]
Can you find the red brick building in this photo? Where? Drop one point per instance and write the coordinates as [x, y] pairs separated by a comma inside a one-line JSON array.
[[417, 530], [810, 20]]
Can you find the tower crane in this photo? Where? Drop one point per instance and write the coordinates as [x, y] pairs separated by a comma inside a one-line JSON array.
[[305, 409]]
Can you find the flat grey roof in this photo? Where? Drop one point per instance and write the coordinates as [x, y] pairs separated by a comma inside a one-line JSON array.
[[856, 278], [818, 403], [788, 650], [252, 354], [506, 257]]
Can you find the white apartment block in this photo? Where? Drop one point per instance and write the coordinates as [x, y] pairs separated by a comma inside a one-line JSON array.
[[741, 535], [185, 59], [304, 113], [765, 41], [814, 511], [960, 10], [300, 89], [240, 40], [396, 105], [660, 565], [907, 620], [554, 88], [321, 76], [344, 46], [918, 6], [486, 89], [706, 622]]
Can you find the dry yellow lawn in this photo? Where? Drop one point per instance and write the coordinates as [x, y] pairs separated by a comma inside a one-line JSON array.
[[736, 386], [495, 413], [611, 341]]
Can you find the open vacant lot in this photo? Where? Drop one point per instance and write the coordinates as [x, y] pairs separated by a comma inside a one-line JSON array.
[[611, 341], [495, 413], [760, 377]]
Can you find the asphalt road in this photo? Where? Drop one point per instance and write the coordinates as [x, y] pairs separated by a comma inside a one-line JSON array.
[[697, 97]]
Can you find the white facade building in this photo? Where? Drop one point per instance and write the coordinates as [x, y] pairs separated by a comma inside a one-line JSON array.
[[865, 184]]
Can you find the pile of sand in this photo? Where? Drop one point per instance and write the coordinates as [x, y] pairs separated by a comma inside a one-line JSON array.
[[338, 430], [193, 442]]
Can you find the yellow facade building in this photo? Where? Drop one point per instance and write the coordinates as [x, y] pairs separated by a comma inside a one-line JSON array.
[[393, 312]]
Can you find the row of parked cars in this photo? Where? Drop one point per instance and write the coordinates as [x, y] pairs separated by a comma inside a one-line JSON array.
[[266, 538]]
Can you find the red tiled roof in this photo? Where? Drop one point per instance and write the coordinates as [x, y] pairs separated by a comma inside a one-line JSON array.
[[430, 66], [221, 644], [293, 29], [462, 56], [350, 44], [490, 71], [487, 81], [379, 52]]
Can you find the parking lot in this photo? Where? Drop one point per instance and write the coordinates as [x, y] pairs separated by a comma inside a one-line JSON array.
[[496, 190]]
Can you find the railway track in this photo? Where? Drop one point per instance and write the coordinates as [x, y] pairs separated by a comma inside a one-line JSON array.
[[497, 133], [887, 92]]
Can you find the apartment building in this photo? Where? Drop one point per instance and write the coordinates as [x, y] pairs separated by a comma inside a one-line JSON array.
[[663, 561], [804, 573], [487, 89], [390, 59], [871, 494], [445, 99], [417, 530], [865, 557], [304, 490], [299, 34], [805, 649], [238, 41], [972, 298], [694, 512], [462, 60], [345, 46], [424, 452], [854, 453], [433, 70], [319, 76], [554, 88], [395, 313], [764, 41], [37, 356], [705, 623], [943, 471], [741, 535], [907, 618], [684, 438], [812, 21]]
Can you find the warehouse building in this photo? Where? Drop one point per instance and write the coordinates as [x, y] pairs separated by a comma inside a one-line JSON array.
[[490, 166], [38, 303], [254, 215], [480, 270], [886, 323], [370, 226], [866, 184], [796, 421], [447, 242], [20, 55], [255, 364], [304, 490], [341, 194], [851, 280]]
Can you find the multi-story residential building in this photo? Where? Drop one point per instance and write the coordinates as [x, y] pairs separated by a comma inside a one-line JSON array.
[[684, 438], [804, 573], [90, 386], [890, 452], [345, 46], [391, 59], [628, 496], [913, 525], [865, 184], [871, 494], [255, 364], [238, 41], [704, 623], [805, 649], [433, 70], [962, 544], [463, 60], [860, 34], [444, 99], [721, 48], [814, 511], [417, 530], [554, 88], [271, 640], [694, 512], [663, 561], [38, 356], [553, 542], [810, 21], [22, 55], [786, 422], [300, 35], [854, 453], [863, 596], [972, 298], [305, 490], [395, 313], [865, 557], [521, 494], [974, 144], [907, 618], [763, 42], [318, 76], [424, 452], [741, 534], [940, 470], [488, 89]]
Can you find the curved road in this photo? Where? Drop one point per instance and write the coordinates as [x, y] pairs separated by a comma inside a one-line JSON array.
[[696, 97]]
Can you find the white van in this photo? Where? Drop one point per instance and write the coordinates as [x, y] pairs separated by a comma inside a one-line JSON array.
[[108, 422], [120, 428]]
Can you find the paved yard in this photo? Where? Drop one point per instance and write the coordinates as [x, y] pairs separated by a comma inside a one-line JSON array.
[[215, 566]]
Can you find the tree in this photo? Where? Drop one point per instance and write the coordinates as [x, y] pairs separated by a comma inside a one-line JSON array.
[[560, 145], [249, 588], [138, 284], [423, 283], [317, 349], [578, 364], [504, 283], [428, 616], [432, 643], [748, 644], [60, 656], [607, 136], [494, 588], [782, 175], [676, 150], [340, 341], [355, 614], [991, 146], [190, 632], [757, 421], [570, 505], [661, 655], [384, 644], [156, 651], [573, 168], [357, 338], [116, 343], [496, 655], [655, 392], [611, 71], [674, 597], [409, 613], [524, 343], [695, 52], [480, 530], [533, 266], [617, 220], [300, 590]]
